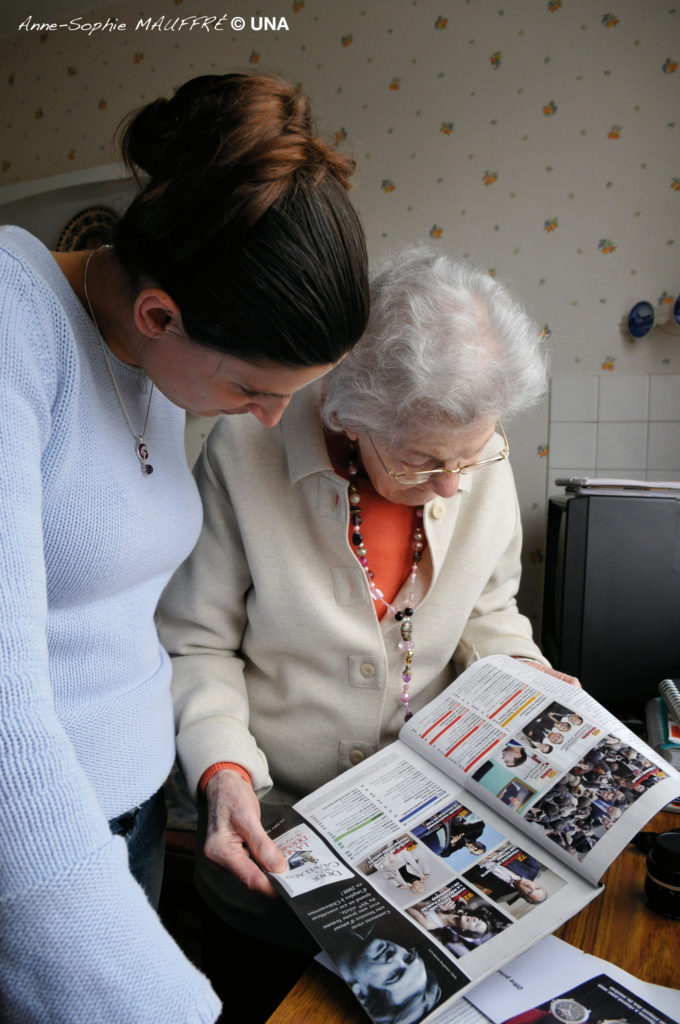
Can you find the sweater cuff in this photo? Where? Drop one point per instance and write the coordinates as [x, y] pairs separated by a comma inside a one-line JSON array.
[[218, 767]]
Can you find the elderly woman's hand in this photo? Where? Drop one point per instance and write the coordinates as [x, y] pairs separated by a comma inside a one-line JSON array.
[[234, 828], [572, 680]]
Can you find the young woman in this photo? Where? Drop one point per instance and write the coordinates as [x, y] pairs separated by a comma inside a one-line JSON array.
[[237, 276]]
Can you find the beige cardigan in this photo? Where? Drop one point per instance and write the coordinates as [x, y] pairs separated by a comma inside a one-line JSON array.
[[280, 662]]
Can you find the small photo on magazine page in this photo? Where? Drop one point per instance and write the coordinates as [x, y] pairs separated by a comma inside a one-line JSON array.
[[457, 834], [311, 863], [516, 794], [403, 869], [510, 789], [556, 727], [460, 919], [514, 878], [513, 755], [588, 801], [515, 759]]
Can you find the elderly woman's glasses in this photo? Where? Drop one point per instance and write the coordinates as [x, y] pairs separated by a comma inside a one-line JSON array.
[[420, 476]]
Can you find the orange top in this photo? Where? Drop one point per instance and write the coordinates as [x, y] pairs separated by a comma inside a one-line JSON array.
[[387, 528]]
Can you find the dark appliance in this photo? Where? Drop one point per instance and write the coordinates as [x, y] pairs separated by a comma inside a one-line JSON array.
[[611, 605]]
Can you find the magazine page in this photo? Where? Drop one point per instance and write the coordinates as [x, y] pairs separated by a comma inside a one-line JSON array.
[[394, 865], [396, 973], [600, 1000], [549, 969], [548, 756]]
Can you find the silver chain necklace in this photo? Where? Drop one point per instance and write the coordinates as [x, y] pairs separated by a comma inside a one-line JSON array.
[[141, 450]]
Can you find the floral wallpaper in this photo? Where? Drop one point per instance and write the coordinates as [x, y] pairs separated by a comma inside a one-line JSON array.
[[536, 137]]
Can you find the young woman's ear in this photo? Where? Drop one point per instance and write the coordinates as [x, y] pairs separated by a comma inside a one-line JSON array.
[[155, 313]]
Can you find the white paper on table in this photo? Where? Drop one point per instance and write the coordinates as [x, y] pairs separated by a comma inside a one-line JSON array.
[[550, 968]]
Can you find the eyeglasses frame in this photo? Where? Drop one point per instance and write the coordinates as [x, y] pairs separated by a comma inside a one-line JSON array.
[[425, 475]]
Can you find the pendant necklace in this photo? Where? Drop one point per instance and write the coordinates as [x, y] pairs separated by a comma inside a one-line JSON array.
[[141, 450], [403, 617]]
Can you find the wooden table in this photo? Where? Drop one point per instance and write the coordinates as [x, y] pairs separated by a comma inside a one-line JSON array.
[[617, 926]]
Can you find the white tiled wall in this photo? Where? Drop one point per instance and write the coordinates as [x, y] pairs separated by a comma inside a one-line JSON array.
[[614, 426]]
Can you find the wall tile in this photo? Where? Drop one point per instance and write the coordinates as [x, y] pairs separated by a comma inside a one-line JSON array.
[[573, 444], [623, 398], [622, 445], [659, 474], [664, 397], [664, 446], [622, 473], [573, 398]]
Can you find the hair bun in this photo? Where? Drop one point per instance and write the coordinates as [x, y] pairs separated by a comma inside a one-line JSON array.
[[148, 138], [250, 136], [275, 145]]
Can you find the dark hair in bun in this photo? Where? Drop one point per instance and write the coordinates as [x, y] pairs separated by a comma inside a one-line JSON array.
[[244, 219]]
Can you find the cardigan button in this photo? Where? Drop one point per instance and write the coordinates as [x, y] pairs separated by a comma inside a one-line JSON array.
[[438, 510], [356, 756], [367, 670]]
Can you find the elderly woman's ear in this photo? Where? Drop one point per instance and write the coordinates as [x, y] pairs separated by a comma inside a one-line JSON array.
[[322, 399]]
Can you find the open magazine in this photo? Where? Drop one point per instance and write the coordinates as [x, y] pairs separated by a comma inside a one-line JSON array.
[[485, 826]]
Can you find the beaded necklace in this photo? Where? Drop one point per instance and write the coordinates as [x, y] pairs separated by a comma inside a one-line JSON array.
[[405, 616]]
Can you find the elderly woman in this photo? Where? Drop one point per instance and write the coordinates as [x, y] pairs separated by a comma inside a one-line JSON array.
[[355, 557]]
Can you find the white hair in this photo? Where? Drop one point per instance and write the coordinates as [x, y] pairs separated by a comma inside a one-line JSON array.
[[445, 342]]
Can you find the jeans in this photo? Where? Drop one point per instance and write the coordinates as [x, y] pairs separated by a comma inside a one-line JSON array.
[[143, 829]]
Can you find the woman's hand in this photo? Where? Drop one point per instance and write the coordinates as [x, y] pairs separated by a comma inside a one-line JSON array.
[[572, 680], [234, 829]]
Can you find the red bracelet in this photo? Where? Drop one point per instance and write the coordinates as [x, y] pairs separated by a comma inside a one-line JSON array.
[[218, 767]]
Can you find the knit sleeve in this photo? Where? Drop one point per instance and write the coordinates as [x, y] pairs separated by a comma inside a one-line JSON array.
[[202, 617], [78, 940]]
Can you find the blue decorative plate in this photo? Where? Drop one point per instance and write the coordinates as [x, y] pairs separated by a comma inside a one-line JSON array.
[[641, 319]]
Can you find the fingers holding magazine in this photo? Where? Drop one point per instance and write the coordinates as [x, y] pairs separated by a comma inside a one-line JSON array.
[[235, 833]]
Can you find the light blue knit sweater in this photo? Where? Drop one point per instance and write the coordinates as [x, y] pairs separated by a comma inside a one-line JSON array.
[[87, 544]]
